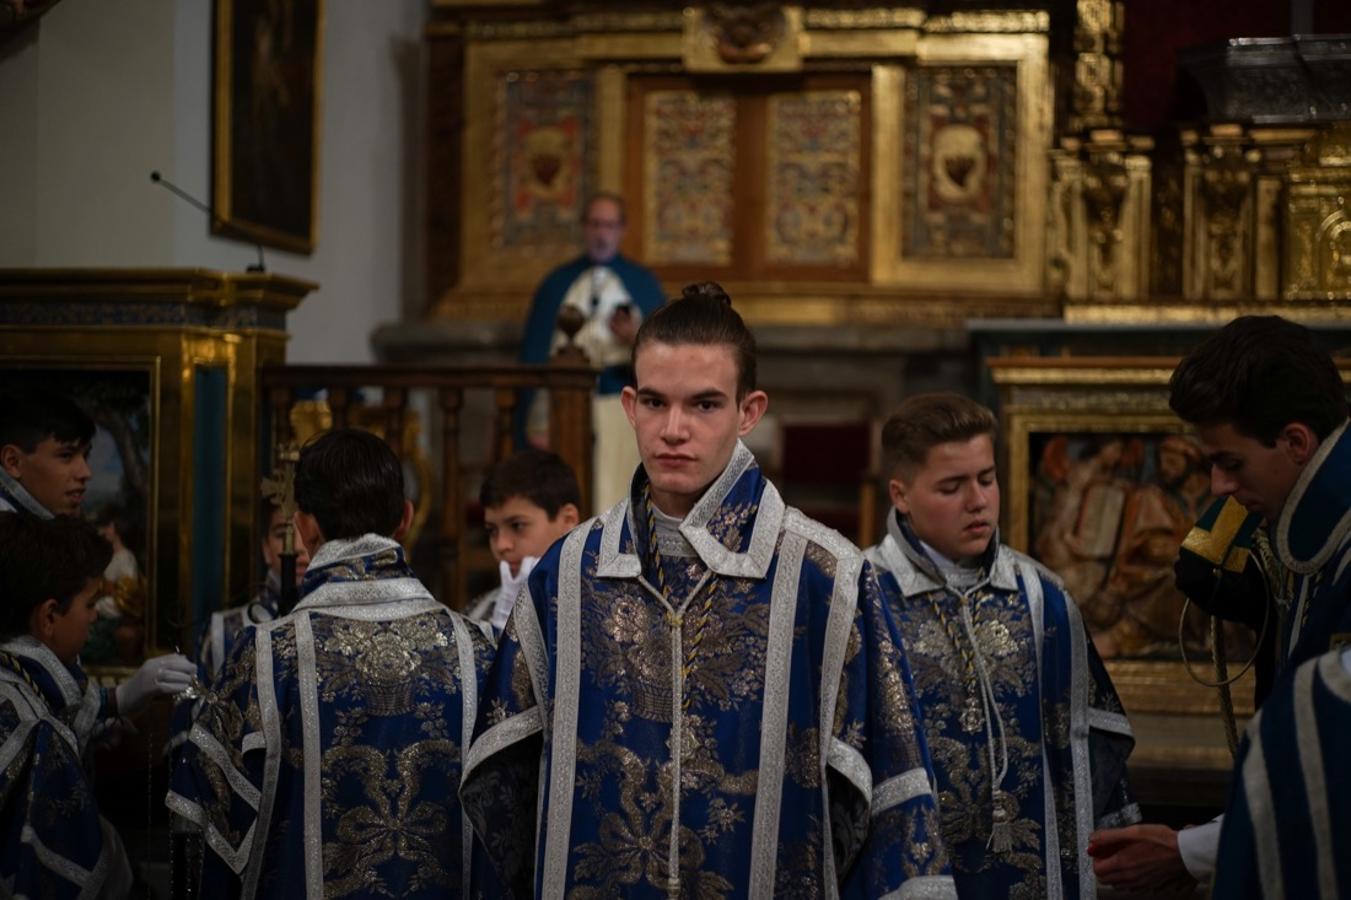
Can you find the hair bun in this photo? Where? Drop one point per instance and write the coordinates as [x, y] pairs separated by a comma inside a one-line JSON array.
[[706, 290]]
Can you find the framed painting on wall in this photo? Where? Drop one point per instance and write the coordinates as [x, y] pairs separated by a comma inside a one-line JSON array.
[[267, 78], [1102, 483]]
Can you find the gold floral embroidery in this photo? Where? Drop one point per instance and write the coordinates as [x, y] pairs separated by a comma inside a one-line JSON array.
[[389, 823]]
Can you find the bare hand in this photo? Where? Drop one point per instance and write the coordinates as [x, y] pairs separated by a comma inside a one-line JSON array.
[[1139, 858], [624, 325]]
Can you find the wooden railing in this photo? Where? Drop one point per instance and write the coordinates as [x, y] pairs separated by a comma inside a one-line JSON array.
[[568, 380]]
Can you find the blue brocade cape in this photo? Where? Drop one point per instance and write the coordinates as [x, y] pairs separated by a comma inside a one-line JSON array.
[[326, 758], [752, 737]]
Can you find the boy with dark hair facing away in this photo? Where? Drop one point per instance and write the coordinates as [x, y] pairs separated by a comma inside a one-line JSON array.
[[701, 694], [327, 756], [530, 499], [223, 629], [50, 575], [1269, 407], [44, 453], [1026, 734]]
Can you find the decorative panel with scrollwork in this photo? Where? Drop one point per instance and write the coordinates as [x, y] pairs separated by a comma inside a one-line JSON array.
[[690, 161], [813, 177], [959, 169], [544, 157]]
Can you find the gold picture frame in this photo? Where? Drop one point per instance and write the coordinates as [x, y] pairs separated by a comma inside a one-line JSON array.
[[1060, 418], [268, 75]]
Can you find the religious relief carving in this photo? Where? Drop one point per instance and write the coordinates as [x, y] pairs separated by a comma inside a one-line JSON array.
[[746, 34], [1105, 191], [959, 149], [730, 37], [1225, 181], [1167, 237], [813, 177], [1105, 184], [1318, 219], [689, 159], [544, 158]]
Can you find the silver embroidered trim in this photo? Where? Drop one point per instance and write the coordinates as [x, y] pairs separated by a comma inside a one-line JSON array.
[[843, 603], [1083, 774], [38, 710], [29, 647], [307, 671], [925, 887], [1261, 810], [499, 737], [754, 563], [267, 711], [1291, 507], [350, 548], [363, 593], [567, 696], [1103, 720], [1315, 780], [17, 739], [530, 635], [774, 715], [234, 857], [901, 789], [387, 611], [50, 859], [851, 764], [611, 563], [1036, 601], [254, 740], [468, 706], [213, 751]]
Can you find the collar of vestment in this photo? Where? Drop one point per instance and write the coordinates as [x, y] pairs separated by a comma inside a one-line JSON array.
[[733, 528], [63, 687], [901, 554], [360, 571], [1316, 517], [19, 497]]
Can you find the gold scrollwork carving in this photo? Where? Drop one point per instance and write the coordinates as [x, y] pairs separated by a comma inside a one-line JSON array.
[[1225, 182], [1105, 185]]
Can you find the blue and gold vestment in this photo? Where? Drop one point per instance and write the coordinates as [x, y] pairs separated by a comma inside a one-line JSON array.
[[751, 737], [1036, 706], [53, 842], [1287, 830], [1312, 539], [326, 758], [215, 644]]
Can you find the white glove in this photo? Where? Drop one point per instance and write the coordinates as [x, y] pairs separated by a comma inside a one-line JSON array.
[[511, 589], [163, 675]]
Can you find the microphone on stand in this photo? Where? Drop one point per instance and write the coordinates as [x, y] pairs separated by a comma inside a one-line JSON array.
[[227, 227]]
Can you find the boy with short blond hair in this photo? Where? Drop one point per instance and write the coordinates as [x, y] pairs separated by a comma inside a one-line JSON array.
[[1027, 737], [530, 499]]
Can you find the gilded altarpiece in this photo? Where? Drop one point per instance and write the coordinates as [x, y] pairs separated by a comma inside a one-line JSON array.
[[959, 162], [690, 160], [813, 178], [543, 147], [792, 195]]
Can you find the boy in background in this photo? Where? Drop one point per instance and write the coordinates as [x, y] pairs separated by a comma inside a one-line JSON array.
[[530, 499], [44, 453]]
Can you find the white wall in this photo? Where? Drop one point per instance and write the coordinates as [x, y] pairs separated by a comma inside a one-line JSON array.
[[105, 92]]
